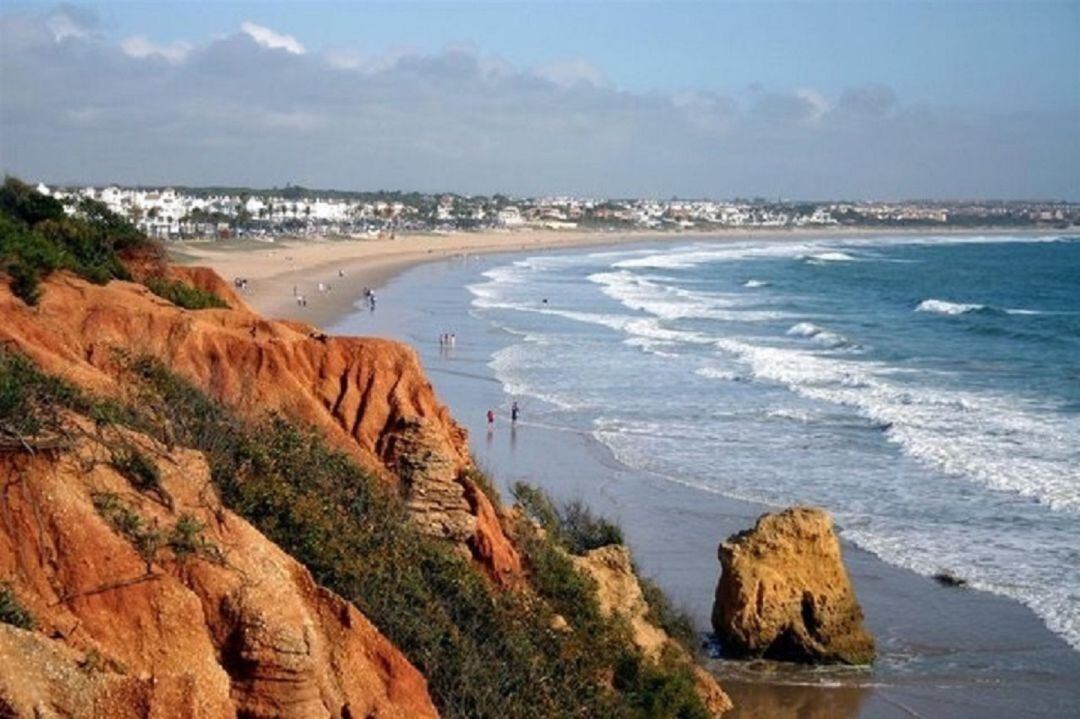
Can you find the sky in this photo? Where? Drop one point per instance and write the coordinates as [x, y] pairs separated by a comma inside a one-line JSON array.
[[800, 100]]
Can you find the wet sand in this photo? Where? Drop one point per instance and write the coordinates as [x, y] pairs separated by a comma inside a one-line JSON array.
[[943, 652]]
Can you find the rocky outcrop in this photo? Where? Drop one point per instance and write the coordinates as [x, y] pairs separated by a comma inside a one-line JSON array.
[[368, 397], [784, 593], [619, 592], [165, 604]]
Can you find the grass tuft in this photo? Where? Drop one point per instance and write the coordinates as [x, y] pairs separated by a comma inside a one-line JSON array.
[[573, 524], [12, 611], [184, 295]]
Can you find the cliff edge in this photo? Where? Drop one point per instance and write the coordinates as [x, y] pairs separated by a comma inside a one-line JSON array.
[[368, 397]]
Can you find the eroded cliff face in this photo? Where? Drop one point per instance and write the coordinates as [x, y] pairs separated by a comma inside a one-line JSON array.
[[160, 602], [368, 397], [784, 593]]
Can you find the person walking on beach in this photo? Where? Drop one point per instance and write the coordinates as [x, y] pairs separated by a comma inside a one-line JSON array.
[[514, 410], [491, 419]]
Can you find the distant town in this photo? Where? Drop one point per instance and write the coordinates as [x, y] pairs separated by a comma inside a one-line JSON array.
[[218, 212]]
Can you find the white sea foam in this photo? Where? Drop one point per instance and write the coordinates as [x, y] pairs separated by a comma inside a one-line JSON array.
[[510, 366], [660, 348], [716, 373], [796, 415], [753, 284], [999, 441], [1017, 571], [819, 335], [813, 250], [673, 303], [943, 307], [830, 257]]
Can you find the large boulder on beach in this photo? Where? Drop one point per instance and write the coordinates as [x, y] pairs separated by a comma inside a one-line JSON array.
[[784, 594]]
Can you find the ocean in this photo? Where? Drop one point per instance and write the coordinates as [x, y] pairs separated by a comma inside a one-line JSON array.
[[926, 390]]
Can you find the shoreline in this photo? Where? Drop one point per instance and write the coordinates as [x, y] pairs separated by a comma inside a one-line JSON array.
[[277, 271], [944, 651]]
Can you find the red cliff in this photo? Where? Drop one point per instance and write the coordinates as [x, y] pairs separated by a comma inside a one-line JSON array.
[[178, 608], [368, 397]]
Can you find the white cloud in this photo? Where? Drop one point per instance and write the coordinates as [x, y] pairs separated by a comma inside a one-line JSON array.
[[66, 23], [567, 73], [816, 103], [270, 39], [140, 46]]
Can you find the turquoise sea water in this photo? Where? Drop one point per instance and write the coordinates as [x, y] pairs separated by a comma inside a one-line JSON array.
[[926, 390]]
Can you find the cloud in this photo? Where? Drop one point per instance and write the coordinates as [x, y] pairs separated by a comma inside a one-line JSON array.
[[139, 46], [873, 99], [571, 72], [243, 110], [270, 39], [70, 21], [815, 104]]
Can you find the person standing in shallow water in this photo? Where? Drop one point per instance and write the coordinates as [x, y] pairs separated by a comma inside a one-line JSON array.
[[514, 410], [491, 418]]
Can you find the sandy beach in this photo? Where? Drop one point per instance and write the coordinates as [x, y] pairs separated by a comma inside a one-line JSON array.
[[277, 272]]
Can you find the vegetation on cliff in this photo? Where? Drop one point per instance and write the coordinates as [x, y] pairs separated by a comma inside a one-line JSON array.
[[38, 236], [11, 611], [543, 651]]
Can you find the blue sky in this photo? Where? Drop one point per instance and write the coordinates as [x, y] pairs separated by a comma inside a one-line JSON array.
[[951, 75], [1019, 55]]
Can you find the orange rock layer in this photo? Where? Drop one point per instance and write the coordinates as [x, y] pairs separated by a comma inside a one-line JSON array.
[[235, 627], [366, 396]]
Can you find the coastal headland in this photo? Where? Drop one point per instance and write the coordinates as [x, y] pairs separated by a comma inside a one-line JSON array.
[[212, 513]]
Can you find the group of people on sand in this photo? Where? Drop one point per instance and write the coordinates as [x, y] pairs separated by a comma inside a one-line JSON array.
[[447, 340], [301, 300], [515, 412], [240, 283], [369, 297]]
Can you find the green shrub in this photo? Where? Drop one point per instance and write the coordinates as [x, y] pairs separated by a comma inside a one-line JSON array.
[[536, 505], [146, 540], [676, 622], [117, 515], [583, 531], [26, 204], [137, 468], [29, 399], [184, 295], [186, 540], [574, 525], [38, 237], [659, 690], [12, 611], [24, 281]]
